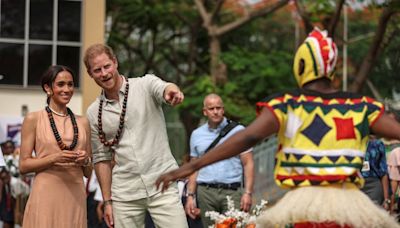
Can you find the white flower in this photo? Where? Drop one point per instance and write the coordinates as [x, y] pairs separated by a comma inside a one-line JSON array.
[[242, 218]]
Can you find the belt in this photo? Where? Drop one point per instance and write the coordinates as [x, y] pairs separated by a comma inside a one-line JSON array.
[[232, 186]]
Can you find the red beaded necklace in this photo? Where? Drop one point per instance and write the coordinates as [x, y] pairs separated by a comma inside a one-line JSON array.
[[60, 143], [102, 135]]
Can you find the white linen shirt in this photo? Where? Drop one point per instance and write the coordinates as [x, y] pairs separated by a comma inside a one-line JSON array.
[[143, 153]]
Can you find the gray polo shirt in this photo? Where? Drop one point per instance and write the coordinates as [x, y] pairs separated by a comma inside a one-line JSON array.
[[143, 152]]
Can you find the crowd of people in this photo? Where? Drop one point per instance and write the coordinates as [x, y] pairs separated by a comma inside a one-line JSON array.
[[114, 167]]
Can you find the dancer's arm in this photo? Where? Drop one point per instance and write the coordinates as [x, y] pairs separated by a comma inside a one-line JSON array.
[[264, 125], [387, 127]]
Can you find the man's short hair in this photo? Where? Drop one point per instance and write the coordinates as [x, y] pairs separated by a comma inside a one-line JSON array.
[[95, 50]]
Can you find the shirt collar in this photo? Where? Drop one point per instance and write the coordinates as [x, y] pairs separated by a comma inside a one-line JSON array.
[[121, 90], [223, 123]]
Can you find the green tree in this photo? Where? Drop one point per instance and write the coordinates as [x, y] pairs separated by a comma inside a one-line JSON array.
[[326, 14], [174, 39]]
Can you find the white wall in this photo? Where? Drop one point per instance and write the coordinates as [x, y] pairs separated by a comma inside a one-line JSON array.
[[11, 101]]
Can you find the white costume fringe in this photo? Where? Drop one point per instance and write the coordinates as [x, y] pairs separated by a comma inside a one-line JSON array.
[[343, 205]]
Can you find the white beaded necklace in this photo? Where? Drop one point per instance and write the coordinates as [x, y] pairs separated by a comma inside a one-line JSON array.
[[58, 113]]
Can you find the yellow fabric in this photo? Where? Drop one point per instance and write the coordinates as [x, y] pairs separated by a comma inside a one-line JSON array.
[[321, 141], [315, 58]]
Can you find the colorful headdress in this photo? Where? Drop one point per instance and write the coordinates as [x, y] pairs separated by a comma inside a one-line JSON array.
[[315, 58]]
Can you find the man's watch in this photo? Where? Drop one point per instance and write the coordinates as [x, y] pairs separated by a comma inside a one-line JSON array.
[[388, 201], [192, 194]]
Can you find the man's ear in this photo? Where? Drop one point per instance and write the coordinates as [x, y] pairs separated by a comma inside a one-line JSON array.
[[115, 60], [204, 112]]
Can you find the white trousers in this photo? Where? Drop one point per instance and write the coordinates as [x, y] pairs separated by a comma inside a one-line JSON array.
[[166, 210]]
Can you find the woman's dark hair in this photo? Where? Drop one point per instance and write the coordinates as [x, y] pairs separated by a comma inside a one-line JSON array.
[[50, 75]]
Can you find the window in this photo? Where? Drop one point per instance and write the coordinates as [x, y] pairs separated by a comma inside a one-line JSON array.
[[35, 34]]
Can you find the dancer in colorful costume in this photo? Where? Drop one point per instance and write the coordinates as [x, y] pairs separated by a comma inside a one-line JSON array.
[[322, 135]]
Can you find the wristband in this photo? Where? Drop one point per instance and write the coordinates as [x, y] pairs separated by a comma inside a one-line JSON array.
[[107, 202], [191, 194], [88, 162]]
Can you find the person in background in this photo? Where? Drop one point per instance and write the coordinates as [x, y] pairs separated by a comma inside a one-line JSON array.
[[216, 181], [99, 208], [20, 188], [7, 200], [393, 162], [60, 140], [127, 121], [11, 157], [375, 173], [322, 139], [91, 185]]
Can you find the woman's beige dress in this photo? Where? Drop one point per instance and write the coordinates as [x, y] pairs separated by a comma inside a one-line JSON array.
[[58, 197]]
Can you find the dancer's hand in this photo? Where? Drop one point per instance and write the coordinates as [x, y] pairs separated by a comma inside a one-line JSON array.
[[164, 180]]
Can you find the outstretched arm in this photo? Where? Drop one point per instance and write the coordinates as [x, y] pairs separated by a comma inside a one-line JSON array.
[[387, 127], [263, 126]]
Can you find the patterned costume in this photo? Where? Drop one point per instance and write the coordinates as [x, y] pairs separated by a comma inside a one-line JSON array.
[[322, 137], [322, 142]]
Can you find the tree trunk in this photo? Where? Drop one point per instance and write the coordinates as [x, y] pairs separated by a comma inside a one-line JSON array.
[[372, 54], [190, 123], [217, 67]]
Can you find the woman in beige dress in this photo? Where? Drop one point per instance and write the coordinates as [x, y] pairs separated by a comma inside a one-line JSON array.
[[60, 141]]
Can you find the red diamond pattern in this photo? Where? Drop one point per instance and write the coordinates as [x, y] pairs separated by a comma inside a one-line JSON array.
[[344, 128]]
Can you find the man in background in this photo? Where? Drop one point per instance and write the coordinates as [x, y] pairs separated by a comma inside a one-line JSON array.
[[216, 181]]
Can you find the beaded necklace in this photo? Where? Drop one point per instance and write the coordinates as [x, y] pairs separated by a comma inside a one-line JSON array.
[[102, 135], [58, 113], [60, 143]]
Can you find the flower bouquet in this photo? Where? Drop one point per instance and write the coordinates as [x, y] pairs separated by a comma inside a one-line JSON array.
[[234, 218]]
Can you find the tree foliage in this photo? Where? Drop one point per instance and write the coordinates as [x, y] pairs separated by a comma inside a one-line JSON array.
[[173, 39]]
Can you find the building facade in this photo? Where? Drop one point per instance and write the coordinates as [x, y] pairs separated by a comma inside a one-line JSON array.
[[35, 34]]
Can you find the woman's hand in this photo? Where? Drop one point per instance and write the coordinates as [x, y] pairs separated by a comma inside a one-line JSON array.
[[78, 157], [65, 156], [82, 158]]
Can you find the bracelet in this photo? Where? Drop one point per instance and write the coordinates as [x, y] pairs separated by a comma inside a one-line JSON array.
[[191, 194], [88, 162], [107, 202], [249, 193]]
